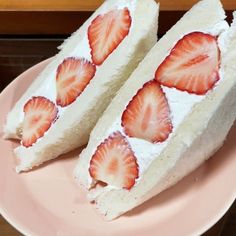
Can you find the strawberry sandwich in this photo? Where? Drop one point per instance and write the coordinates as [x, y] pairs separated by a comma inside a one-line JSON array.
[[58, 111], [171, 115]]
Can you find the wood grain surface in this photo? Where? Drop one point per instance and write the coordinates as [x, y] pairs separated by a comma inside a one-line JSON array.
[[90, 5], [62, 23]]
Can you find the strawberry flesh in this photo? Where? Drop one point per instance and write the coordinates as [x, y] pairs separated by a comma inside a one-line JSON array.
[[73, 75], [106, 32], [114, 162], [192, 65], [40, 113], [147, 115]]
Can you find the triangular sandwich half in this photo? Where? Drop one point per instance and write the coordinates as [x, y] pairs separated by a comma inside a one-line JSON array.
[[58, 111], [170, 116]]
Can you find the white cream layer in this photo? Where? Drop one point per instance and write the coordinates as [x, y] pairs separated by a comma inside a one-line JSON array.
[[82, 50], [181, 103]]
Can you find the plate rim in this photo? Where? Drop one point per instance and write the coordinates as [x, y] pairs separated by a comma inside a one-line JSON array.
[[23, 228]]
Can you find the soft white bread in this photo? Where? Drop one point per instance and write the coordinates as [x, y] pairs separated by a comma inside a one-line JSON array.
[[198, 136], [72, 129]]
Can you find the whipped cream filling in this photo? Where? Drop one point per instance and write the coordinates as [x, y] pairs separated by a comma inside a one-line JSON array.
[[180, 103], [82, 50]]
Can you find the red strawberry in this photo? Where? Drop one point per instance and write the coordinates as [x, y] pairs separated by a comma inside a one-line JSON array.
[[73, 75], [147, 116], [40, 113], [192, 65], [114, 162], [106, 32]]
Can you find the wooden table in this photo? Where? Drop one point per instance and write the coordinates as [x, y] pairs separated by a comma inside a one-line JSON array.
[[91, 5]]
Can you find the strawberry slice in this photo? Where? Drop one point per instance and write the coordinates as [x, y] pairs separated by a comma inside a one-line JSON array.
[[73, 75], [147, 115], [114, 162], [192, 65], [40, 113], [106, 32]]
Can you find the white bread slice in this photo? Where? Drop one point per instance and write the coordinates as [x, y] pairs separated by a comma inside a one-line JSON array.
[[197, 137], [72, 129]]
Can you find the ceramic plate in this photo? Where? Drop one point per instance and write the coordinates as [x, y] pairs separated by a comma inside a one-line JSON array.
[[47, 201]]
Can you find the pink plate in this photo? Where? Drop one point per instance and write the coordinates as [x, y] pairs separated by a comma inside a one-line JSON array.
[[47, 201]]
